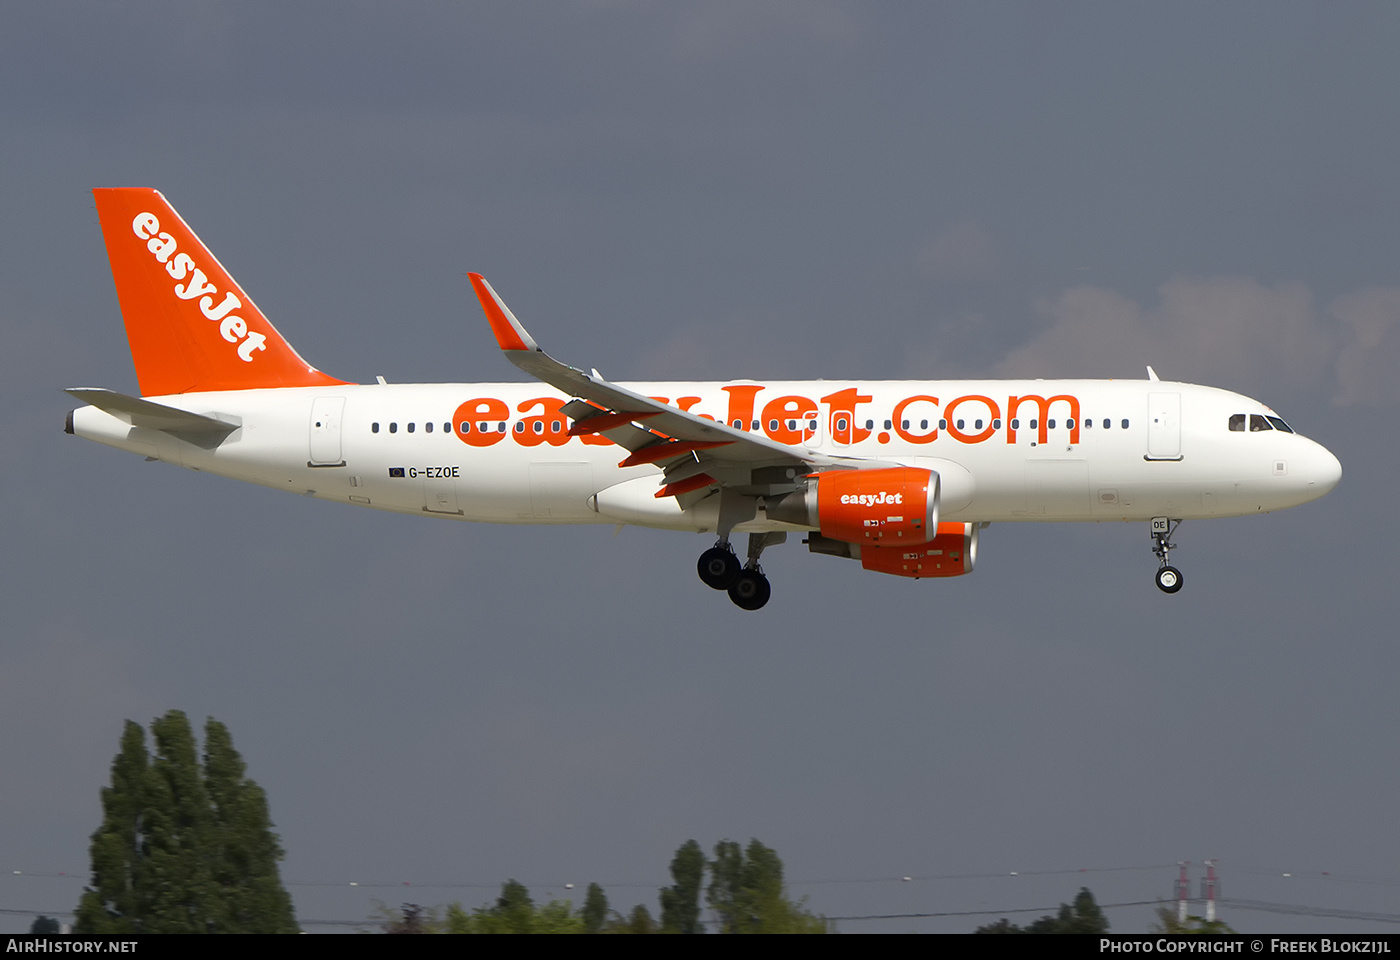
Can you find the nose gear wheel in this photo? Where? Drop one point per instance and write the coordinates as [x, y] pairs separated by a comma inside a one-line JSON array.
[[1168, 578]]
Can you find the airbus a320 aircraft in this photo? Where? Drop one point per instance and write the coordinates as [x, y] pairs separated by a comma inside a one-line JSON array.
[[899, 475]]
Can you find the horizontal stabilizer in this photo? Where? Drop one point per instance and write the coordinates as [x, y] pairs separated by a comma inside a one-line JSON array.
[[196, 428]]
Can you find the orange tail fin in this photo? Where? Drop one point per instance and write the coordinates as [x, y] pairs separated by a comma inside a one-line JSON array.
[[190, 325]]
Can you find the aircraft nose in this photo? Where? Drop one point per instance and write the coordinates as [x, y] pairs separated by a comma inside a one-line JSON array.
[[1324, 471]]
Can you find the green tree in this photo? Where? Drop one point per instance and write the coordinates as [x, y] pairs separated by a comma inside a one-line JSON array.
[[1083, 917], [595, 909], [1167, 922], [638, 921], [409, 918], [515, 912], [113, 904], [680, 902], [746, 892], [183, 848], [252, 897]]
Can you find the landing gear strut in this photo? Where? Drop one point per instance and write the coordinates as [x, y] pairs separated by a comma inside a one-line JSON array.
[[1168, 577], [750, 589], [747, 587]]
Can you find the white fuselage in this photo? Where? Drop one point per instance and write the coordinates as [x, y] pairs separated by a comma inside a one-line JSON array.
[[1004, 450]]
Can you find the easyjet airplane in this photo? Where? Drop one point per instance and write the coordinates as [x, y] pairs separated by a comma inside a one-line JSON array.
[[899, 475]]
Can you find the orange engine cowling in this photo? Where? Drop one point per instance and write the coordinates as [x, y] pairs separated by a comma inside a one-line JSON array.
[[895, 505], [951, 553]]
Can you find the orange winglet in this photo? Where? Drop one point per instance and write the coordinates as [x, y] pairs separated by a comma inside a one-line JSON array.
[[672, 448], [506, 328], [606, 421], [190, 325], [685, 486]]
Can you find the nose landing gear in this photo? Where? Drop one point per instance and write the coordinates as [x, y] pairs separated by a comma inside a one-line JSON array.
[[1168, 577]]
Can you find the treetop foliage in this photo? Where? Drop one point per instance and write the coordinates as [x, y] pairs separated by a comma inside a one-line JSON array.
[[746, 893], [183, 847], [1083, 917]]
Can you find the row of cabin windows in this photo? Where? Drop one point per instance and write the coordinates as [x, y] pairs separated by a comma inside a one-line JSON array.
[[977, 424], [466, 426], [411, 427], [1257, 423], [499, 426]]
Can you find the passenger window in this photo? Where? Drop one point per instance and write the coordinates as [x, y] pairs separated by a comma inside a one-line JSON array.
[[960, 424], [943, 424], [772, 426], [1107, 423], [1088, 422], [447, 428], [977, 424], [1125, 424], [1258, 424], [1237, 423], [466, 426], [554, 426], [887, 424], [870, 424], [1050, 424], [539, 426], [923, 424], [1034, 423], [393, 427], [520, 426], [501, 427], [996, 424], [904, 424], [841, 424], [428, 426], [737, 424], [1069, 424], [1015, 423], [374, 427]]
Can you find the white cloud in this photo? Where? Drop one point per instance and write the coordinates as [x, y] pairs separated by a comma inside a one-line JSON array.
[[1229, 331], [964, 253], [1369, 360]]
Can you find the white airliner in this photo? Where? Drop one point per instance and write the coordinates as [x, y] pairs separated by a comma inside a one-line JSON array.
[[900, 475]]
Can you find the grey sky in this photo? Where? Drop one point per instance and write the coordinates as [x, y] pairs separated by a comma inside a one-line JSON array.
[[720, 190]]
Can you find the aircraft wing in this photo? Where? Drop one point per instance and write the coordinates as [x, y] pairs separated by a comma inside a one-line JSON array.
[[697, 454]]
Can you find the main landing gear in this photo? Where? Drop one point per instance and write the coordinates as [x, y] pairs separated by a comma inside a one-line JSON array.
[[748, 587], [1168, 577]]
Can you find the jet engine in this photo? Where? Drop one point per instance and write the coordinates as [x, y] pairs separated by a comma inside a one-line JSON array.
[[893, 505], [951, 553]]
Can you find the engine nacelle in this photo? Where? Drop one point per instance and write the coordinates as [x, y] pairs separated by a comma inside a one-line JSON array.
[[896, 505], [951, 553]]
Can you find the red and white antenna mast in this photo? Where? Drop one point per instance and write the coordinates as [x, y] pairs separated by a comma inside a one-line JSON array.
[[1210, 891], [1183, 892]]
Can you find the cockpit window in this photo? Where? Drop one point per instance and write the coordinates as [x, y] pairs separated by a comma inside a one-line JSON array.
[[1280, 425], [1258, 424], [1237, 422]]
